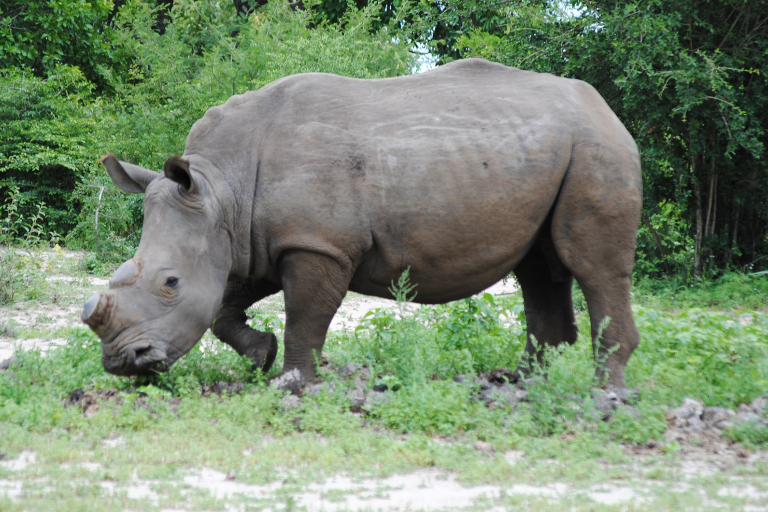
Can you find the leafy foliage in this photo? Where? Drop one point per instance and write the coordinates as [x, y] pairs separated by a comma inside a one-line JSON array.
[[41, 35], [57, 120], [20, 269], [464, 337], [46, 140], [686, 80]]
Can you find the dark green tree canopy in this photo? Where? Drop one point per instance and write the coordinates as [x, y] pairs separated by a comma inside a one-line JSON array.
[[688, 78], [41, 34]]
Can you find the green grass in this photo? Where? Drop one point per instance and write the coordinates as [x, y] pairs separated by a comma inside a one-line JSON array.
[[731, 291], [170, 425], [717, 357]]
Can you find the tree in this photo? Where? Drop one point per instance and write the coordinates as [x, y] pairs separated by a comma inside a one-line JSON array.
[[687, 79], [41, 34]]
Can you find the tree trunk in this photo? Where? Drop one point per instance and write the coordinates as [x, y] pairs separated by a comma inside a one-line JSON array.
[[732, 248], [714, 207], [699, 223], [709, 206]]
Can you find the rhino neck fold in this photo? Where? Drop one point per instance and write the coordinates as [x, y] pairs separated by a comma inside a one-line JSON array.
[[232, 186]]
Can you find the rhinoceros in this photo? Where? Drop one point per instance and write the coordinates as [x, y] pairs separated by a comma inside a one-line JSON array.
[[317, 184]]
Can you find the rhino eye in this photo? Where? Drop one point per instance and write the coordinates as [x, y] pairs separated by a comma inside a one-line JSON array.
[[172, 281]]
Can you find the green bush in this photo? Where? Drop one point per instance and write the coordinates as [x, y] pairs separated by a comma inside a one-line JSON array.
[[55, 125], [21, 235], [440, 407], [48, 137], [469, 336]]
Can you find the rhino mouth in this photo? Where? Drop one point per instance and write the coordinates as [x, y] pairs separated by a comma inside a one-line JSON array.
[[137, 358], [151, 360]]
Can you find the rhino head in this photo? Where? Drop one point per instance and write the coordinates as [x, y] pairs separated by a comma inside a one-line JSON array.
[[161, 301]]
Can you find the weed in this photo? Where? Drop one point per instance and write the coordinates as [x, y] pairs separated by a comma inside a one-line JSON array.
[[750, 434], [440, 407], [21, 273]]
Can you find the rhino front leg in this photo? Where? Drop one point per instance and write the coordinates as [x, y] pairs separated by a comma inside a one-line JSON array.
[[314, 286], [230, 325]]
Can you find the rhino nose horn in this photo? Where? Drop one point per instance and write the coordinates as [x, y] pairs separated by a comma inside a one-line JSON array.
[[95, 310], [125, 275]]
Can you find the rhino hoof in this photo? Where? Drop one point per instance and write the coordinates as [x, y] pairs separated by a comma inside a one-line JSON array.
[[262, 350], [269, 358]]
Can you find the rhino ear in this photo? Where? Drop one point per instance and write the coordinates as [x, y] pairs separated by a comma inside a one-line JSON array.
[[128, 177], [176, 169]]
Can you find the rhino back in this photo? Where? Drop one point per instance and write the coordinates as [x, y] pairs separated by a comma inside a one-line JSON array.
[[450, 173]]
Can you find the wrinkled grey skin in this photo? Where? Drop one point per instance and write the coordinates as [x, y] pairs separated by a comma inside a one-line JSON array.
[[318, 184]]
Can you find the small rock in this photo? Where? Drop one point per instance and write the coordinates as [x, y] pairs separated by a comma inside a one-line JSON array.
[[380, 388], [364, 374], [759, 405], [627, 395], [74, 397], [349, 368], [632, 411], [230, 475], [605, 402], [747, 417], [696, 407], [712, 416], [229, 387], [678, 417], [90, 410], [7, 331], [315, 389], [687, 415], [290, 402], [459, 379], [695, 424], [500, 376], [360, 384], [723, 425], [483, 383], [500, 395], [521, 394], [374, 400], [483, 447], [356, 398], [4, 365], [292, 381], [318, 387]]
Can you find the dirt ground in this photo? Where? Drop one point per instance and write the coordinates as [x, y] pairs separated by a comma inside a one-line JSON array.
[[42, 325], [688, 477]]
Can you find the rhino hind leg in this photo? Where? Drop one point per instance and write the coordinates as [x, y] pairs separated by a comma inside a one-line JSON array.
[[546, 285], [314, 286], [230, 325], [594, 228]]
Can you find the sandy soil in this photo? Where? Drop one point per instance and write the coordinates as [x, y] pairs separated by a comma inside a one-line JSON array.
[[434, 490], [43, 324]]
